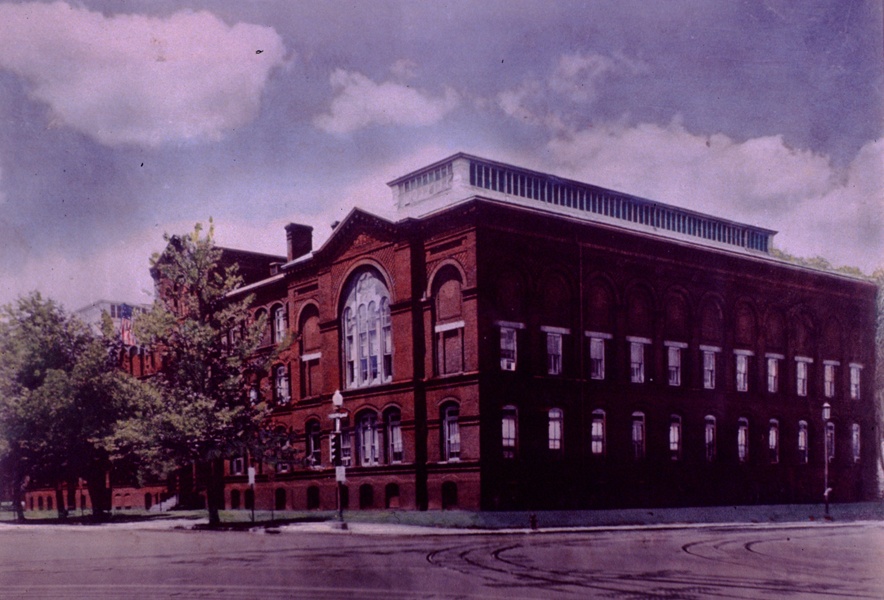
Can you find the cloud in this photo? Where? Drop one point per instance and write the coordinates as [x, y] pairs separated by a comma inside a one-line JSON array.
[[818, 209], [132, 79], [572, 87], [360, 102]]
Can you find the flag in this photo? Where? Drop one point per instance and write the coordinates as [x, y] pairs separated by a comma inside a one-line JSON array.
[[126, 335]]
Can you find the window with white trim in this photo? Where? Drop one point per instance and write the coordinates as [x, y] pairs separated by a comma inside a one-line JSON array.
[[709, 363], [553, 353], [314, 446], [508, 348], [855, 374], [281, 385], [393, 426], [637, 359], [673, 352], [509, 431], [346, 443], [367, 433], [675, 437], [829, 378], [237, 465], [556, 430], [855, 442], [742, 382], [280, 324], [803, 452], [597, 357], [710, 438], [450, 432], [365, 320], [801, 375], [773, 441], [773, 373], [638, 436], [742, 439], [597, 433]]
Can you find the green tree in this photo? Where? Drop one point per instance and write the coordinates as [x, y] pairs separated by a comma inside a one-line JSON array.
[[206, 341], [61, 397]]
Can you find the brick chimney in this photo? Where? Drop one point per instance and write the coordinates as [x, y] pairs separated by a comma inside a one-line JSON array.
[[299, 239]]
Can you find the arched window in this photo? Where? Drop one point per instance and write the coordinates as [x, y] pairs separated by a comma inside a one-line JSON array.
[[280, 323], [450, 432], [675, 437], [556, 430], [281, 384], [509, 431], [742, 439], [802, 442], [310, 347], [367, 432], [393, 434], [391, 495], [638, 436], [773, 441], [367, 327], [366, 496], [597, 433], [448, 326], [314, 446]]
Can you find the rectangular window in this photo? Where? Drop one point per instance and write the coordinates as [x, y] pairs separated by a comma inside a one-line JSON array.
[[508, 432], [743, 440], [346, 446], [597, 358], [709, 369], [675, 438], [710, 439], [855, 371], [674, 354], [310, 375], [638, 437], [507, 348], [801, 377], [829, 378], [855, 445], [554, 353], [394, 440], [556, 422], [773, 374], [237, 466], [802, 442], [742, 372], [597, 433], [773, 442], [283, 395], [637, 362]]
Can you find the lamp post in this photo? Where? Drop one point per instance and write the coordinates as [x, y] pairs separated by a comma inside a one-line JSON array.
[[336, 447], [827, 414]]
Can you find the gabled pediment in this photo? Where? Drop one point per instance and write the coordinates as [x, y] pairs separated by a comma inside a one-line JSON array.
[[356, 233]]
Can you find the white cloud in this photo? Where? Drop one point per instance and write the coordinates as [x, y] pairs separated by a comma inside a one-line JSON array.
[[576, 79], [360, 102], [817, 209], [132, 79]]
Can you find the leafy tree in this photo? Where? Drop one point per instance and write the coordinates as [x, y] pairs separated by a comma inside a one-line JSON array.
[[206, 341], [61, 396]]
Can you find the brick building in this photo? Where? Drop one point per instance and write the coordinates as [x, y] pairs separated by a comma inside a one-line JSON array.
[[514, 340]]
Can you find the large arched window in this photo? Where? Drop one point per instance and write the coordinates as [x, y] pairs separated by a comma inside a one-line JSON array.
[[367, 431], [367, 331]]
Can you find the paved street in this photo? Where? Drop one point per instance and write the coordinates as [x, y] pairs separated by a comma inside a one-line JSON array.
[[816, 560]]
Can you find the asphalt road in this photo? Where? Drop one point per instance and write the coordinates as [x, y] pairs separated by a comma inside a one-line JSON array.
[[817, 560]]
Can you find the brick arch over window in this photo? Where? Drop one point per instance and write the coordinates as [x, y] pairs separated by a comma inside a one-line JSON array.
[[711, 321], [555, 295], [600, 305], [745, 329], [366, 330], [447, 292], [802, 332], [676, 315], [775, 331], [510, 295], [640, 310]]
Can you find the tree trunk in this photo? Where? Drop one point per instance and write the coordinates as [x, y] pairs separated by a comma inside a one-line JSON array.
[[18, 495], [99, 495], [215, 491]]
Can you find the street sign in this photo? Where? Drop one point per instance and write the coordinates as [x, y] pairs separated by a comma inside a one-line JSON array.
[[341, 474], [251, 475], [338, 416]]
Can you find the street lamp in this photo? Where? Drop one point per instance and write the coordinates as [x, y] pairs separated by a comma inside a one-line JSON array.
[[827, 415], [336, 448]]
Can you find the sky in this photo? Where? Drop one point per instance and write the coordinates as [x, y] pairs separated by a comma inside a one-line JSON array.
[[122, 120]]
